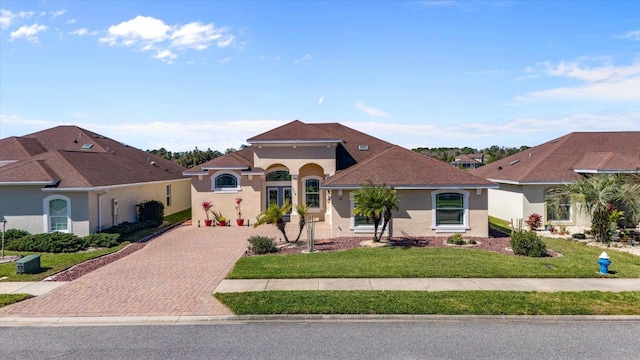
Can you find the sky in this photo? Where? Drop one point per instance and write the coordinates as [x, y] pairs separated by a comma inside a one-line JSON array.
[[211, 74]]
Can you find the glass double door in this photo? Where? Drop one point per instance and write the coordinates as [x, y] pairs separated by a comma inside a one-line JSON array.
[[279, 195]]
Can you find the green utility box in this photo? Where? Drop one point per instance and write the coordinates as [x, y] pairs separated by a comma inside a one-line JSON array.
[[28, 265]]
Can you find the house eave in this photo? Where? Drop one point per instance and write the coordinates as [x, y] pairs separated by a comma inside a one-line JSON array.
[[415, 187], [109, 187], [514, 182], [28, 183], [606, 171]]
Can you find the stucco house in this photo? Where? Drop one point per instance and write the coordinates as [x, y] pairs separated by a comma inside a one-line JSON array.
[[322, 164], [526, 178], [73, 180]]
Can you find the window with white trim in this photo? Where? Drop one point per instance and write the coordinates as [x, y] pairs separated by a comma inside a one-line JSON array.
[[312, 191], [450, 210], [359, 223], [57, 211], [225, 181], [169, 195]]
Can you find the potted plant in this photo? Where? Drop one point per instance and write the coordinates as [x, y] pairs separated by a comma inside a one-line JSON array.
[[207, 206], [239, 220], [220, 219]]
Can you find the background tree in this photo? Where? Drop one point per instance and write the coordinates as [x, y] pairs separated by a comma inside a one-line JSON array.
[[275, 214], [601, 197], [375, 202]]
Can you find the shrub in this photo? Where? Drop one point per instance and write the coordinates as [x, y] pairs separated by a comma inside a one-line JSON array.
[[534, 221], [471, 242], [12, 234], [127, 228], [456, 239], [579, 236], [52, 243], [262, 245], [103, 240], [151, 210], [527, 243]]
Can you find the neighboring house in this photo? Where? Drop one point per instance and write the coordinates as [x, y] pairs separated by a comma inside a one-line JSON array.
[[468, 161], [69, 179], [527, 177], [322, 164]]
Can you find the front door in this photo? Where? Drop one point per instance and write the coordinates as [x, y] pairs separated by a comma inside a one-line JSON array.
[[279, 195]]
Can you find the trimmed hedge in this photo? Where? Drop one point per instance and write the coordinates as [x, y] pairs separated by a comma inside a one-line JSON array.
[[127, 228], [12, 234], [51, 243], [262, 245], [103, 240], [151, 211]]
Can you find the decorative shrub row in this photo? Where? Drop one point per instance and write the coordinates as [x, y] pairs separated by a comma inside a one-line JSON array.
[[127, 228], [13, 234], [61, 242], [527, 243], [262, 245], [456, 239]]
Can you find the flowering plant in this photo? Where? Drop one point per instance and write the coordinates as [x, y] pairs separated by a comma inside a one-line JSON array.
[[238, 201], [206, 206]]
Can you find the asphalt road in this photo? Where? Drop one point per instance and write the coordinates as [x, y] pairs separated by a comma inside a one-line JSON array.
[[477, 339]]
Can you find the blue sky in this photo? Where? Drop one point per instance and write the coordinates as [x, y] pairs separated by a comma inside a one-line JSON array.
[[211, 74]]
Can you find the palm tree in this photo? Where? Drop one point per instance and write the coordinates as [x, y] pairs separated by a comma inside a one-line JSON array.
[[275, 214], [598, 196], [302, 210], [376, 203]]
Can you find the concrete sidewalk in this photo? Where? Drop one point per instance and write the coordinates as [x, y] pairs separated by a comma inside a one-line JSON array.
[[32, 288], [432, 284]]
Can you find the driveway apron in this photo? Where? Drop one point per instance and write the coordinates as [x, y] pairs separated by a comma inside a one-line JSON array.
[[173, 274]]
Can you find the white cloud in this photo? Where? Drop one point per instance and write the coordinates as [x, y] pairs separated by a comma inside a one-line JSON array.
[[225, 60], [28, 32], [83, 32], [605, 82], [58, 13], [147, 33], [439, 3], [321, 100], [633, 35], [369, 110], [7, 17], [72, 21], [166, 56], [306, 57]]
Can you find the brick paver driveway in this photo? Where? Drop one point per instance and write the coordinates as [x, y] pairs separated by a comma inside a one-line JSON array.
[[173, 274]]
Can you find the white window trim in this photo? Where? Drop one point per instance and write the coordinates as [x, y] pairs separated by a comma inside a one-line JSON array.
[[304, 192], [571, 220], [225, 190], [46, 212], [465, 218]]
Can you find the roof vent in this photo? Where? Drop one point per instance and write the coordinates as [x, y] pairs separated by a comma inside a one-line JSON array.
[[514, 162], [87, 146], [363, 147]]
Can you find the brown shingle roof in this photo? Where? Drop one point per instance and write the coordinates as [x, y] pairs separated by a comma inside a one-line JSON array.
[[555, 161], [400, 167], [106, 163], [294, 131], [233, 160]]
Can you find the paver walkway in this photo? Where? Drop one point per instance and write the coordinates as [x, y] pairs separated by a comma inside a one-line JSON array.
[[173, 274]]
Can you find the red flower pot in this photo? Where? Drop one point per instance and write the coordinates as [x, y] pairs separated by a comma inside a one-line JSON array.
[[222, 223], [240, 222], [208, 222]]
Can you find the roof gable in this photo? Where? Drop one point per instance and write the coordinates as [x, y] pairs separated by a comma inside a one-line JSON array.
[[295, 131]]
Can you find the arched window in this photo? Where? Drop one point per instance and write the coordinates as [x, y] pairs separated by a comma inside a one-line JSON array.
[[450, 210], [225, 181], [279, 175], [57, 212]]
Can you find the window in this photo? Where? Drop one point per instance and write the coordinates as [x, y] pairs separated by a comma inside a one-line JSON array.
[[169, 195], [279, 175], [359, 223], [312, 192], [558, 209], [225, 181], [57, 213], [450, 210]]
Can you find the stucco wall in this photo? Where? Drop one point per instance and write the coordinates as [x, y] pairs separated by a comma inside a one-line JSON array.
[[296, 158], [414, 217], [506, 202]]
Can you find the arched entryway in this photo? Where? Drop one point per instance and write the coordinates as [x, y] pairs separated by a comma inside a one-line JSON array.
[[278, 187]]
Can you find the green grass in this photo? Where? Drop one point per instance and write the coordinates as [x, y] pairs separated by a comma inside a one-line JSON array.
[[445, 302], [8, 299], [499, 224], [579, 261]]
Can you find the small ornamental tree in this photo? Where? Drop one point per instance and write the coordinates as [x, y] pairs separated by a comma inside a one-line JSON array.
[[534, 221], [275, 214], [376, 202]]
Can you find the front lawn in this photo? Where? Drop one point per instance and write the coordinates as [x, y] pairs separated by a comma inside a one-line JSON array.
[[579, 261], [8, 299], [443, 302]]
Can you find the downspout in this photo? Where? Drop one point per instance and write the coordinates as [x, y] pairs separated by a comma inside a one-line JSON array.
[[100, 209]]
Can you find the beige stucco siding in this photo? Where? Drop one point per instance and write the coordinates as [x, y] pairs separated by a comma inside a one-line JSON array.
[[295, 159], [414, 217], [506, 202]]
